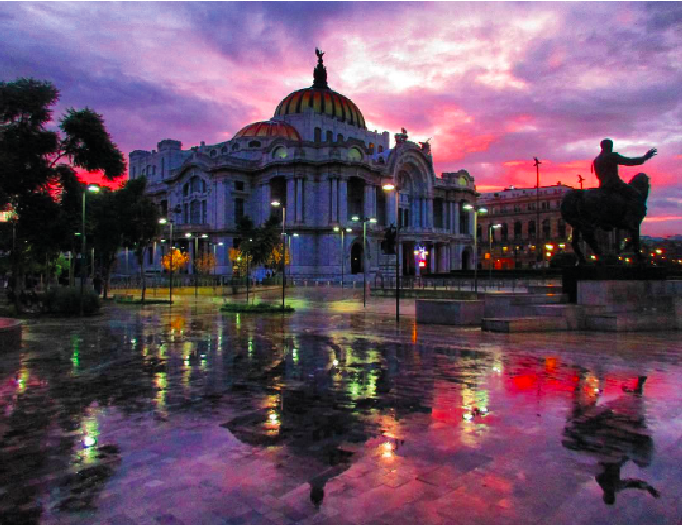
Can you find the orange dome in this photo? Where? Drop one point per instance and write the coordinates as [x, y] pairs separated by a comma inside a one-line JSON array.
[[323, 101], [268, 130]]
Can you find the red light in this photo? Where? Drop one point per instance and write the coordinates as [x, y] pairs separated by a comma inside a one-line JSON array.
[[422, 264]]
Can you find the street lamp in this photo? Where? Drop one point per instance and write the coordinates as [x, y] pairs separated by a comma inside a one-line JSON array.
[[491, 228], [276, 204], [392, 187], [337, 229], [468, 206], [92, 188], [355, 218]]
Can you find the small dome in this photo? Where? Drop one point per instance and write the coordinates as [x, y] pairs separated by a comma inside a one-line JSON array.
[[268, 130]]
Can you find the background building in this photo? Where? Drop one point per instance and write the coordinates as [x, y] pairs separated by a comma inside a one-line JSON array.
[[519, 241], [318, 159]]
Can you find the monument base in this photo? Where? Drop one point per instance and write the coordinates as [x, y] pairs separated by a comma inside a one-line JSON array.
[[572, 274]]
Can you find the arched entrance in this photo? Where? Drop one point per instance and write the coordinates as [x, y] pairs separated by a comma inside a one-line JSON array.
[[465, 260], [356, 258]]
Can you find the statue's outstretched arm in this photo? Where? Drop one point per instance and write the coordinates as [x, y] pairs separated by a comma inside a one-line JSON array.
[[631, 161]]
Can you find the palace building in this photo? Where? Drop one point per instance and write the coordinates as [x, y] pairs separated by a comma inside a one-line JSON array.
[[316, 157], [509, 235]]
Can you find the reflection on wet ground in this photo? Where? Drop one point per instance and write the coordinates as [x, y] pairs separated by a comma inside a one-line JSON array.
[[334, 416]]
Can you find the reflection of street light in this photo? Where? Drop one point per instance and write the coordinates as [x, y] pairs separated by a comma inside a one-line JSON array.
[[365, 222], [491, 228], [276, 204], [468, 206], [394, 188], [92, 188]]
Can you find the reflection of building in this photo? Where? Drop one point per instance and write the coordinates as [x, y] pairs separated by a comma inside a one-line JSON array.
[[518, 242], [318, 159]]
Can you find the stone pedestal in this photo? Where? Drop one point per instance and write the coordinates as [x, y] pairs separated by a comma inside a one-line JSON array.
[[572, 275]]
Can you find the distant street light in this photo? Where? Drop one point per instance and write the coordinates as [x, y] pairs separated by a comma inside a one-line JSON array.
[[491, 228], [397, 245], [365, 222], [92, 188], [276, 204], [468, 206]]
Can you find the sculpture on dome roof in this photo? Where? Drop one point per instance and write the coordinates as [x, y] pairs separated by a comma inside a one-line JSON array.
[[320, 72]]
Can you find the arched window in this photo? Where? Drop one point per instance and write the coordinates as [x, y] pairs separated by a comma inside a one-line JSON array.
[[235, 146], [143, 172], [213, 153], [355, 154], [186, 189], [561, 228], [254, 144], [340, 138], [504, 232], [479, 232], [380, 149], [531, 229], [154, 170], [224, 150], [279, 153], [546, 228], [317, 135], [195, 210], [329, 136], [197, 185]]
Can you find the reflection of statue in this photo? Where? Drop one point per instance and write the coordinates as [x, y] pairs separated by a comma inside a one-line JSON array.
[[587, 210], [614, 433]]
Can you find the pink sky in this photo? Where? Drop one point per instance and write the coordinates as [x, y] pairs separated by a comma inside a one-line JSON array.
[[492, 84]]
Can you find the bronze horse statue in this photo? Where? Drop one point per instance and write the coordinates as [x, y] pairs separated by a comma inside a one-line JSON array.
[[586, 210]]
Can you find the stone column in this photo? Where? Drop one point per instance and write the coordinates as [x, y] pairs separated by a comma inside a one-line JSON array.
[[291, 201], [434, 256], [367, 201], [264, 212], [391, 207], [343, 201], [299, 200], [334, 200], [456, 218], [430, 212], [445, 216]]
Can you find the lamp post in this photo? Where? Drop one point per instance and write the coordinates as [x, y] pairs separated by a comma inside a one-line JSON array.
[[92, 188], [468, 206], [163, 220], [491, 228], [393, 187], [537, 163], [338, 229], [276, 204], [355, 218]]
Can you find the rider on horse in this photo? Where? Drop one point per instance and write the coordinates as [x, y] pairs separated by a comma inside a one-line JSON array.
[[606, 166]]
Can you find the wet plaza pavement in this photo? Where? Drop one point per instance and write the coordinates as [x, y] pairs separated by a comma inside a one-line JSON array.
[[330, 415]]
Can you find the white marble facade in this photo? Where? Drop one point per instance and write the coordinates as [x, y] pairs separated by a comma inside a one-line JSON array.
[[316, 157]]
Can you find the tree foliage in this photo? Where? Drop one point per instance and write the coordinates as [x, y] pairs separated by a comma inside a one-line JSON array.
[[175, 257], [259, 242], [206, 263]]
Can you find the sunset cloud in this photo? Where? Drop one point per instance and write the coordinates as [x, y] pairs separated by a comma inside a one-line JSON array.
[[492, 84]]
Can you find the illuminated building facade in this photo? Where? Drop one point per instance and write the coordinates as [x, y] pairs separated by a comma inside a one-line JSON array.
[[518, 241], [317, 158]]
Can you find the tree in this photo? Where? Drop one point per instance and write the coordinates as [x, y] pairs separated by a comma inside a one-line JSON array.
[[139, 220], [259, 242], [206, 263], [35, 165], [175, 257]]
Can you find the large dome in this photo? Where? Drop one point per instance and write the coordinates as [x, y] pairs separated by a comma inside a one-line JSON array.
[[268, 130], [320, 99], [323, 101]]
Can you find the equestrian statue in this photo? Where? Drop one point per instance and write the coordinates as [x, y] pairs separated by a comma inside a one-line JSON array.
[[614, 204]]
